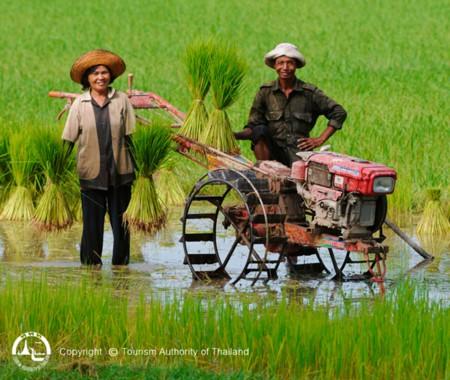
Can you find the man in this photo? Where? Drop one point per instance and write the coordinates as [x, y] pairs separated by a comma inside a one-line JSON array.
[[285, 110]]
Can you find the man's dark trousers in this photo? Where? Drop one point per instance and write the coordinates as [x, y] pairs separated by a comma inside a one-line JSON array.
[[94, 205]]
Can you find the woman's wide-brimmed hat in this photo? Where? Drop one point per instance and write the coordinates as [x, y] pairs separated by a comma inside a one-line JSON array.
[[97, 57], [286, 49]]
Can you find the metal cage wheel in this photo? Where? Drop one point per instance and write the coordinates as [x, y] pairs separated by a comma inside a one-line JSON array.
[[244, 254]]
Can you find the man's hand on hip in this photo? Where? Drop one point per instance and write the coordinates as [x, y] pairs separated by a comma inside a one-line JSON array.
[[309, 143]]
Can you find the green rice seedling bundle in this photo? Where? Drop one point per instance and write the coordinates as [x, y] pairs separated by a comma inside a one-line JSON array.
[[437, 245], [19, 205], [77, 211], [5, 175], [56, 161], [4, 158], [151, 145], [227, 71], [433, 220], [196, 60], [168, 185]]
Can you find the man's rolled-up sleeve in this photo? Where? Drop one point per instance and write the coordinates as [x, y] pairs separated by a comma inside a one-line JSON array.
[[72, 127], [327, 107]]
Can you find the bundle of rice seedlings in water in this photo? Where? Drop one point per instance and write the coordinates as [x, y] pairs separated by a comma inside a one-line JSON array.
[[19, 205], [168, 184], [57, 164], [227, 71], [197, 59], [433, 220], [151, 145], [77, 211], [435, 244]]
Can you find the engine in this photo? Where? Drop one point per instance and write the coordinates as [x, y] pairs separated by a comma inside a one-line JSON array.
[[343, 194]]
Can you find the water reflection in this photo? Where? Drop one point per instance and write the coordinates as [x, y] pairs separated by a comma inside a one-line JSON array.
[[157, 265], [316, 292], [21, 242], [438, 246]]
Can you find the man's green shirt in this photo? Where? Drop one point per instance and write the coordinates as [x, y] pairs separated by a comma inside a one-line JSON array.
[[293, 117]]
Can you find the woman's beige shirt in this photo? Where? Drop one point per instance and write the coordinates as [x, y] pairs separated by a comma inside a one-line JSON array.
[[80, 128]]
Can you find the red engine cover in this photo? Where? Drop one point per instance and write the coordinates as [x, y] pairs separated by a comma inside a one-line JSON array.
[[351, 173]]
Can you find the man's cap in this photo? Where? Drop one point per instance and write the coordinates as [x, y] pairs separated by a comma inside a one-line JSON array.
[[94, 58], [284, 49]]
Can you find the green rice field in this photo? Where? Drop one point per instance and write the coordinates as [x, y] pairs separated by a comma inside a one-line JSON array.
[[386, 62], [404, 336]]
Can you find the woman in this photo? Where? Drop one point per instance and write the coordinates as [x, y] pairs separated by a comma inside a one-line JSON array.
[[101, 121]]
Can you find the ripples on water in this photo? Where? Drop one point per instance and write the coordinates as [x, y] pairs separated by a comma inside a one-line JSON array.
[[157, 265]]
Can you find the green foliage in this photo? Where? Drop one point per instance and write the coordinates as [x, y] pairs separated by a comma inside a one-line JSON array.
[[197, 60], [227, 70], [433, 220], [151, 146], [53, 211], [57, 162], [391, 76], [433, 194], [168, 184], [196, 120], [22, 166], [88, 370], [54, 157], [145, 211], [22, 159], [5, 175], [19, 206], [219, 134], [402, 336]]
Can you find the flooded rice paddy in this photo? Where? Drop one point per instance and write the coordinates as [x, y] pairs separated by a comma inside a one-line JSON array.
[[157, 265]]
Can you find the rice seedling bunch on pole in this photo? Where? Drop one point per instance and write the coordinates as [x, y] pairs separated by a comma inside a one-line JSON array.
[[168, 184], [151, 145], [19, 205], [196, 60], [227, 71], [57, 163], [433, 220]]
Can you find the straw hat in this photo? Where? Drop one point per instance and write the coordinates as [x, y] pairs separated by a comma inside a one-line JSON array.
[[286, 49], [97, 57]]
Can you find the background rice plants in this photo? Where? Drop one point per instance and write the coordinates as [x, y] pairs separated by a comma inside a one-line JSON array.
[[404, 336], [386, 62]]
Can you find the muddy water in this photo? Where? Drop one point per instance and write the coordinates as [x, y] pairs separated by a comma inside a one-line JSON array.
[[157, 265]]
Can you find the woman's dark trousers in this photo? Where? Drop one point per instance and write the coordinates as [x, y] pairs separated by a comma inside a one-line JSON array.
[[94, 205]]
